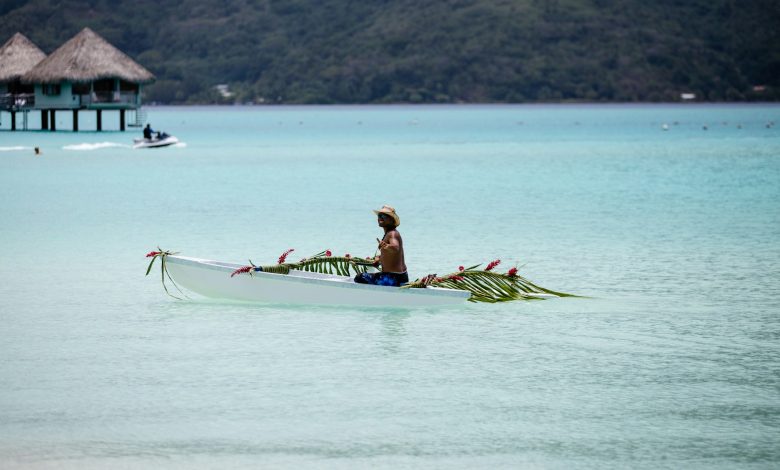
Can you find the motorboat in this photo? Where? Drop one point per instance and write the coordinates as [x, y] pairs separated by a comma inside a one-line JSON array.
[[216, 279], [160, 139]]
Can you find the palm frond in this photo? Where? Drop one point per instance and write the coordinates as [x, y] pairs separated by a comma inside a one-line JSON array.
[[487, 286], [319, 263]]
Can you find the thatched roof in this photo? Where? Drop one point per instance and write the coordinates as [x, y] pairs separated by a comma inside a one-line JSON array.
[[84, 58], [17, 57]]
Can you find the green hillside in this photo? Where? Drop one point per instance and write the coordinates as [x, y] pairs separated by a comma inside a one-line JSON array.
[[387, 51]]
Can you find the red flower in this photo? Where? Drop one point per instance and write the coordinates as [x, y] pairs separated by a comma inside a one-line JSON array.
[[461, 268], [512, 272], [284, 255], [493, 264], [243, 270], [455, 278], [348, 256], [328, 253], [153, 253]]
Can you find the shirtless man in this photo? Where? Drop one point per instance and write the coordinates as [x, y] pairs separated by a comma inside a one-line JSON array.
[[391, 253]]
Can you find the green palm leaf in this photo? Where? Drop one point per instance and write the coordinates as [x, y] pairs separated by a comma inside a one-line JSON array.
[[488, 286], [320, 263]]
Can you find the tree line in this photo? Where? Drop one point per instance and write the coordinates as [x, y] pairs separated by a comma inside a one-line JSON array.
[[445, 51]]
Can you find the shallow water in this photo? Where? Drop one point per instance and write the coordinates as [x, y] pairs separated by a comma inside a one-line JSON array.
[[671, 361]]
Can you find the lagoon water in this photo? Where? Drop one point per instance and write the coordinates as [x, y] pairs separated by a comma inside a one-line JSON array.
[[671, 361]]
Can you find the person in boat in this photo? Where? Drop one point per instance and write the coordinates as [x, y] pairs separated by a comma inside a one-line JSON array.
[[148, 132], [391, 253]]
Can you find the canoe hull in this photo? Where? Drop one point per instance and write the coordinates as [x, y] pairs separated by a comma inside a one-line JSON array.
[[212, 279]]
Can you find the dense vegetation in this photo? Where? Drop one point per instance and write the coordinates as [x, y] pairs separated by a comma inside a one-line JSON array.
[[380, 51]]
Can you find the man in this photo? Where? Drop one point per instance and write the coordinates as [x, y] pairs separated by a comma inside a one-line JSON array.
[[391, 253], [148, 132]]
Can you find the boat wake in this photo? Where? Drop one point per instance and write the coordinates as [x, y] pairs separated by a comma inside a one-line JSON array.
[[180, 145], [17, 148], [95, 146]]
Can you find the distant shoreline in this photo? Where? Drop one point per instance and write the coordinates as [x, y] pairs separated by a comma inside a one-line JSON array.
[[441, 105]]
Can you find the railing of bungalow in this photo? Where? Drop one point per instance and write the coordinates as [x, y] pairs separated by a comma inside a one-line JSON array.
[[108, 97], [15, 101]]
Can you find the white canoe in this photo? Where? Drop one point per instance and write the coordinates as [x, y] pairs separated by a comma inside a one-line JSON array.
[[212, 279]]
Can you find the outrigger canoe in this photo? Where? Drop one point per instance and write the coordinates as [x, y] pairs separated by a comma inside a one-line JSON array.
[[327, 280], [213, 279]]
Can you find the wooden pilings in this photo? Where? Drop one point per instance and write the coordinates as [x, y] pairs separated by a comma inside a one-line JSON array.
[[49, 119]]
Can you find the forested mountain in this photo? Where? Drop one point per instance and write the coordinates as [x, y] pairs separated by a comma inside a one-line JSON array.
[[387, 51]]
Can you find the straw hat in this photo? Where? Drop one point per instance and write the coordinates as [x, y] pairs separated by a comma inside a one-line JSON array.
[[391, 212]]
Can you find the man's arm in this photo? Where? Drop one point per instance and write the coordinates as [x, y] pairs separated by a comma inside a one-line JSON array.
[[390, 244]]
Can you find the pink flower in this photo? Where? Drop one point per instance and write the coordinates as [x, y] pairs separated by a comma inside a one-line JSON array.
[[493, 264], [328, 253], [512, 272], [242, 270], [284, 255], [461, 268], [153, 253]]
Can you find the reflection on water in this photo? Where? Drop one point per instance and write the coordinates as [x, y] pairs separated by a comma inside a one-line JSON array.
[[393, 329]]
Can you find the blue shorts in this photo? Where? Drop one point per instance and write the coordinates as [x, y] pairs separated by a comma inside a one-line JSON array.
[[382, 279]]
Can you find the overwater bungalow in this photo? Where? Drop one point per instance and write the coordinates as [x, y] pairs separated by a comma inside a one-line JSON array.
[[17, 57], [87, 73]]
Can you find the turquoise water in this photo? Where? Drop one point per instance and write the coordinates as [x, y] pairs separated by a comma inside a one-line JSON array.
[[673, 360]]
